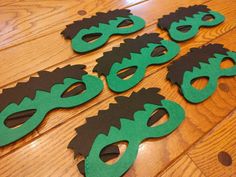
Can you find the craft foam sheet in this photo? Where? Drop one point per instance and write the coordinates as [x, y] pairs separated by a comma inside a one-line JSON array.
[[24, 106], [91, 33], [127, 120], [184, 23], [132, 58], [201, 62]]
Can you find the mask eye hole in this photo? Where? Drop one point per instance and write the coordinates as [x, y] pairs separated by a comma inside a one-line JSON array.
[[208, 17], [184, 28], [91, 37], [158, 51], [74, 89], [200, 82], [17, 119], [127, 73], [109, 154], [125, 24], [227, 63], [158, 117], [113, 152]]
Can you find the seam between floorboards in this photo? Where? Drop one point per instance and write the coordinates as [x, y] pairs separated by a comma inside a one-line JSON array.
[[43, 35], [195, 163], [102, 101], [167, 64], [58, 125], [197, 141], [70, 58], [51, 66], [48, 131], [58, 30]]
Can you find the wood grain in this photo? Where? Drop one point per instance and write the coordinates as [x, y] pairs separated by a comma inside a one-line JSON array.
[[20, 12], [44, 152], [58, 117], [28, 19], [39, 54], [52, 120], [13, 146], [54, 159], [183, 167], [221, 138], [8, 2]]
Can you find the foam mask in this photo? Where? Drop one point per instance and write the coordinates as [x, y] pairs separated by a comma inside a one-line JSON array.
[[184, 23], [129, 120], [91, 33], [132, 58], [201, 62], [24, 107]]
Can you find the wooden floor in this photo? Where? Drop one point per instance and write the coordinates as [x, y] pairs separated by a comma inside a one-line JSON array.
[[30, 41]]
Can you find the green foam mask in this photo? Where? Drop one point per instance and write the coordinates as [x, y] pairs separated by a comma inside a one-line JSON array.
[[198, 63], [132, 58], [91, 33], [184, 23], [124, 121], [25, 106]]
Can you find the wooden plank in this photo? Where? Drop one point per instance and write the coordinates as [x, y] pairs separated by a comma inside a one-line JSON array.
[[23, 60], [183, 167], [222, 138], [54, 159], [42, 17], [4, 3], [28, 19], [13, 146], [57, 117], [7, 2], [52, 120]]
